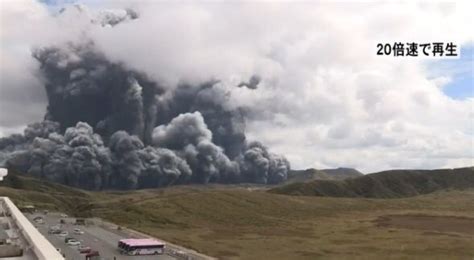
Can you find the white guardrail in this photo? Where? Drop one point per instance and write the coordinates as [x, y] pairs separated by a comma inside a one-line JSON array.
[[40, 245]]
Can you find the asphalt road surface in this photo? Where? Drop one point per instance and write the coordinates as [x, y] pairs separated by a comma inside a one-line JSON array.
[[96, 237]]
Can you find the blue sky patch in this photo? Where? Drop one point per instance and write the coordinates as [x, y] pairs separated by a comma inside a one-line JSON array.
[[461, 72]]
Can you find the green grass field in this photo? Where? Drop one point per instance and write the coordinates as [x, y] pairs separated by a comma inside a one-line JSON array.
[[231, 222]]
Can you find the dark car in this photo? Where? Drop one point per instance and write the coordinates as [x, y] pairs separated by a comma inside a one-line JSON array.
[[54, 231], [80, 221], [84, 250], [67, 239], [93, 255]]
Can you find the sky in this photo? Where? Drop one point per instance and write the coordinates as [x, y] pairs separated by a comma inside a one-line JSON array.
[[461, 74], [325, 100]]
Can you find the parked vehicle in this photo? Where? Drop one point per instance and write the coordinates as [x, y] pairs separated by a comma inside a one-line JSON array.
[[84, 249], [38, 220], [141, 246], [67, 239], [64, 233], [78, 231], [73, 242], [57, 226], [93, 255], [63, 215], [54, 231], [80, 221]]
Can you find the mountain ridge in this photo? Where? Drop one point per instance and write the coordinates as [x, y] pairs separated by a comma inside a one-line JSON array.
[[385, 184], [311, 174]]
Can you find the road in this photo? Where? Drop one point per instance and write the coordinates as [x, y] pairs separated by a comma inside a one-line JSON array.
[[96, 237]]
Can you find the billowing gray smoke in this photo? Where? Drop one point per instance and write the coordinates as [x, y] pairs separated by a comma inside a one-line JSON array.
[[258, 165], [226, 124], [108, 126], [252, 83], [83, 86], [79, 158], [15, 144], [188, 134]]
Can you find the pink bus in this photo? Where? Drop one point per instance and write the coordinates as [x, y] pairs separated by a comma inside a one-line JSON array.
[[141, 246]]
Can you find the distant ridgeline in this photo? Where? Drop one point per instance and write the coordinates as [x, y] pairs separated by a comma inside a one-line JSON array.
[[386, 184], [325, 174]]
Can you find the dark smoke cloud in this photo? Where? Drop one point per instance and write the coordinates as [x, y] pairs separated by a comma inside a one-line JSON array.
[[127, 163], [41, 129], [259, 165], [252, 83], [188, 135], [77, 158], [12, 145], [226, 124], [162, 167], [82, 85], [11, 141], [108, 126]]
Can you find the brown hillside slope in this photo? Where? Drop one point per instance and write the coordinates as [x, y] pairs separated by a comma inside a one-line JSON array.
[[325, 174], [387, 184]]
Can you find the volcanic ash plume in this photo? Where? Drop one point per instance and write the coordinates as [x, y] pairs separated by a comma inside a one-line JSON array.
[[252, 83], [14, 145], [108, 126], [188, 135], [84, 86], [260, 166]]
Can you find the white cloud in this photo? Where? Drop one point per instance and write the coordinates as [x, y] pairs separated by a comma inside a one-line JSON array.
[[326, 99]]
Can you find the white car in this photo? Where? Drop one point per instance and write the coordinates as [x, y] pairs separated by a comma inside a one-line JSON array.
[[57, 226], [78, 231], [73, 242], [63, 215], [39, 221], [64, 233]]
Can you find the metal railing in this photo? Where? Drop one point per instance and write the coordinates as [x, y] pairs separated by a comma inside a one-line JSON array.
[[40, 245]]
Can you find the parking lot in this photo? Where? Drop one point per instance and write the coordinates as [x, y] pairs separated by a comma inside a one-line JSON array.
[[98, 238]]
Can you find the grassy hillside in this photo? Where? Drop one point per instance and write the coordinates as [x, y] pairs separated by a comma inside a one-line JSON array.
[[243, 224], [325, 174], [234, 222], [387, 184], [43, 194]]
